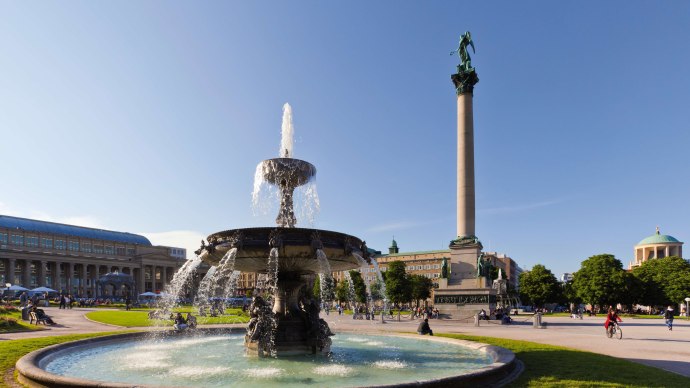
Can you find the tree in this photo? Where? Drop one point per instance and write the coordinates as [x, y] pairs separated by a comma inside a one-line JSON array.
[[316, 290], [421, 287], [360, 287], [376, 289], [397, 283], [665, 281], [538, 286], [600, 280], [342, 291]]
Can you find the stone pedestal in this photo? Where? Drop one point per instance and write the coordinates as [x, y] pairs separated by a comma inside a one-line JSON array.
[[464, 294]]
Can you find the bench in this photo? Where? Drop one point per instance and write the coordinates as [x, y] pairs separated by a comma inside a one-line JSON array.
[[34, 317]]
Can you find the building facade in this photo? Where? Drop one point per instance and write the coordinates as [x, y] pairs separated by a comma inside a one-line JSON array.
[[71, 258]]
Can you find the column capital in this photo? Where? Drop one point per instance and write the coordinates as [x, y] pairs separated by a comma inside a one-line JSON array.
[[464, 81]]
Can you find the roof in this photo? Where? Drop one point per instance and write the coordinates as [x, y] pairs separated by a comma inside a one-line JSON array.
[[658, 239], [416, 253], [29, 225]]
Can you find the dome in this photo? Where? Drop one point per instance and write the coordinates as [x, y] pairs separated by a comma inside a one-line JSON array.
[[658, 238]]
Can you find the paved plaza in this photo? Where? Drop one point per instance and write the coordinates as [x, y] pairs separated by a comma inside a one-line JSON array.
[[646, 341]]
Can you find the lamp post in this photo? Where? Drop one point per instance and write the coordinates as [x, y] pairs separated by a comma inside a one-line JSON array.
[[687, 304]]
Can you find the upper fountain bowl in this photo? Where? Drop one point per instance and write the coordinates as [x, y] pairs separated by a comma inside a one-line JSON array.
[[287, 172]]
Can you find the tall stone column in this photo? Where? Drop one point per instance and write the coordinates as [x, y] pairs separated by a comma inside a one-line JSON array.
[[26, 274], [464, 82], [164, 277], [465, 170], [141, 281], [153, 278], [69, 276], [41, 274], [11, 264], [83, 289]]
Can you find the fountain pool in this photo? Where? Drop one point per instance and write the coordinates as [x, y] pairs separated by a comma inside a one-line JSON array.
[[220, 360]]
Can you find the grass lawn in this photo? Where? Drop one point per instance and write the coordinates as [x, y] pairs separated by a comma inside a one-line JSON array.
[[13, 350], [139, 317], [555, 366], [11, 322]]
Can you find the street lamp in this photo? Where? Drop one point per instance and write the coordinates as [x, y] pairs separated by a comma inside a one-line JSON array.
[[687, 304]]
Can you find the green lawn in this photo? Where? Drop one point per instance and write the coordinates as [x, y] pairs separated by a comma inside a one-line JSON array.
[[13, 350], [139, 317], [555, 366], [12, 322]]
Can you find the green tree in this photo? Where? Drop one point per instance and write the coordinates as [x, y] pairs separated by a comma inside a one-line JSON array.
[[316, 290], [342, 291], [665, 281], [600, 280], [398, 284], [421, 287], [376, 289], [538, 286], [360, 287]]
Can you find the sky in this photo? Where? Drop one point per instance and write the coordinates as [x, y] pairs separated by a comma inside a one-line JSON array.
[[150, 117]]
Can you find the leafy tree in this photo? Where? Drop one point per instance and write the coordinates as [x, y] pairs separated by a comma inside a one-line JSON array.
[[342, 291], [665, 281], [376, 289], [538, 286], [569, 293], [600, 280], [398, 284], [421, 287], [360, 287], [316, 290]]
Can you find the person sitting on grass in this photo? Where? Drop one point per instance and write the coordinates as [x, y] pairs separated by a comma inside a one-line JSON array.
[[180, 322], [424, 329], [191, 321]]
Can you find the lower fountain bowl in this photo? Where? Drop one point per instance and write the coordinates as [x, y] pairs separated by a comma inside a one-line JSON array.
[[296, 249], [214, 358]]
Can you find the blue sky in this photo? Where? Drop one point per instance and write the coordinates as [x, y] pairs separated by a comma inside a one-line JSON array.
[[150, 117]]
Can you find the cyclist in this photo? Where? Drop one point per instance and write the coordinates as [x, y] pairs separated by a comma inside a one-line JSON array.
[[612, 316]]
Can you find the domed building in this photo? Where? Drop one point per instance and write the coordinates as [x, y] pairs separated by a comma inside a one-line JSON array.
[[656, 246]]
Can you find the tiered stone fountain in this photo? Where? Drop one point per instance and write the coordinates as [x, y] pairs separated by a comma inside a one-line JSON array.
[[292, 326]]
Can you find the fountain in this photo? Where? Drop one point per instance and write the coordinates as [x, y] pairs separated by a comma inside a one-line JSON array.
[[289, 256], [284, 322]]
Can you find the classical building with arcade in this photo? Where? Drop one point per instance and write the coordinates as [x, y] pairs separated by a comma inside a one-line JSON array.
[[71, 259]]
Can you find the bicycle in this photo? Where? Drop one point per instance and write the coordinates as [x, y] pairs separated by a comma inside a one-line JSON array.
[[614, 330]]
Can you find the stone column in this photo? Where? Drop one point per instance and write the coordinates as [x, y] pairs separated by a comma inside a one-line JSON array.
[[26, 274], [11, 264], [41, 273], [164, 277], [140, 279], [153, 278], [465, 171], [83, 281], [69, 275]]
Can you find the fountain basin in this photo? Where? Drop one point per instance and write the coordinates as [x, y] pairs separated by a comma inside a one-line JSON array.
[[296, 249], [218, 359]]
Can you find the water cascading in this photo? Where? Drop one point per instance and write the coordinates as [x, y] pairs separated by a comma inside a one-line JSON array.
[[384, 293], [284, 318], [326, 282], [352, 295]]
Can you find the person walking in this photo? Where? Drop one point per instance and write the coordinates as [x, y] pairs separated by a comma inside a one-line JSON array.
[[668, 316], [63, 302]]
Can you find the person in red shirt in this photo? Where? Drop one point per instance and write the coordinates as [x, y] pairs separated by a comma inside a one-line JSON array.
[[612, 316]]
